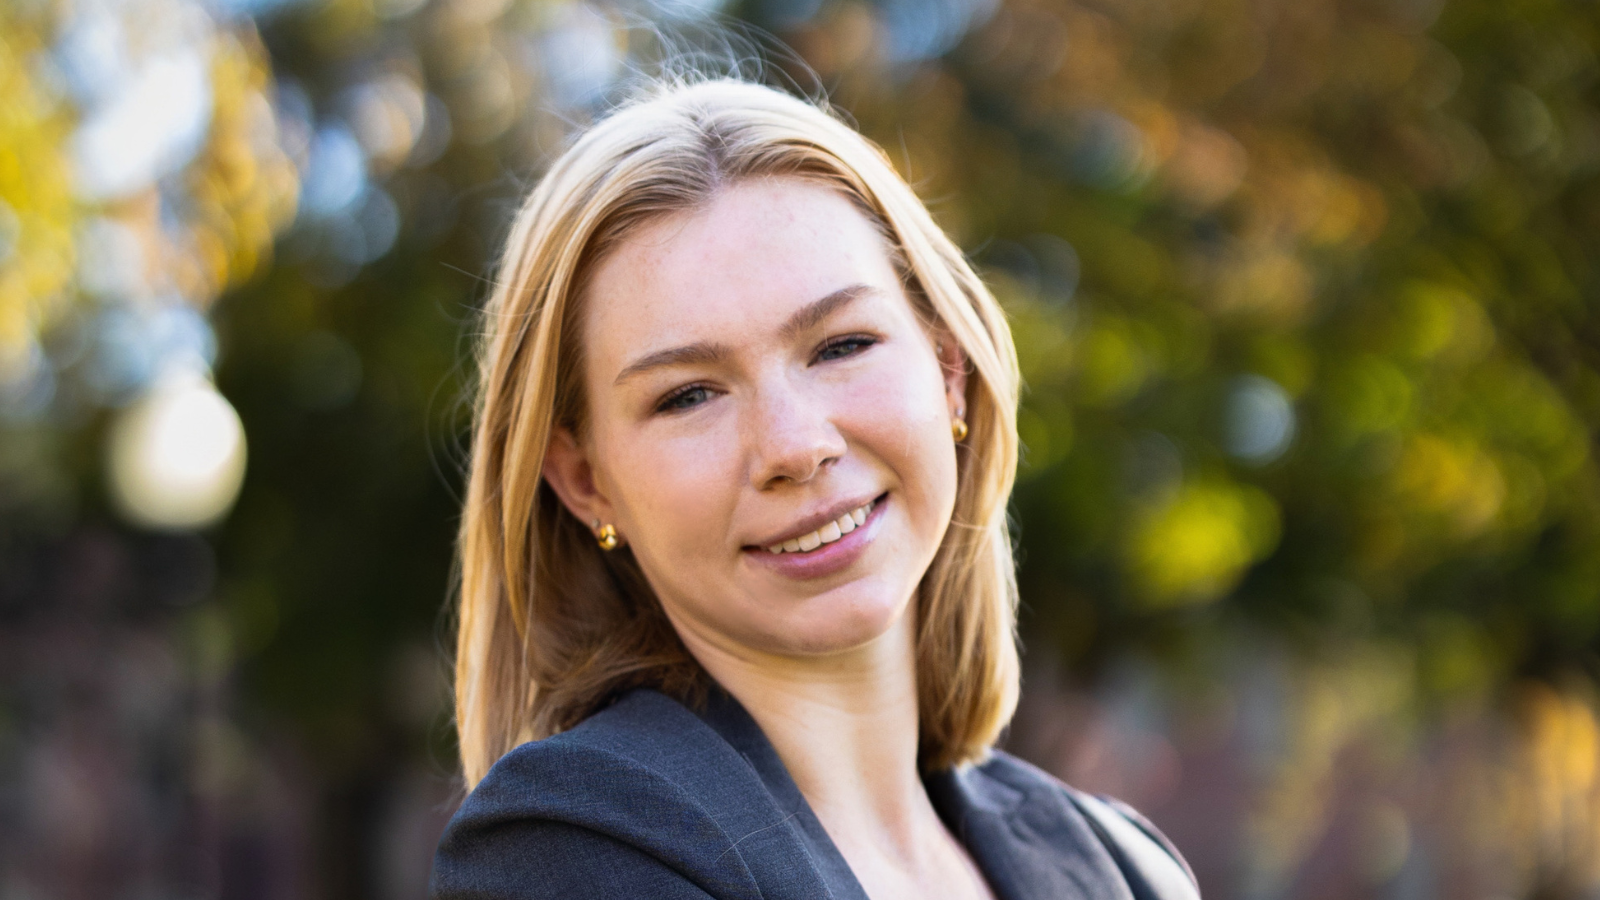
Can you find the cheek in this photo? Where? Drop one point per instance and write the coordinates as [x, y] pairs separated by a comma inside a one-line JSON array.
[[899, 414], [671, 492]]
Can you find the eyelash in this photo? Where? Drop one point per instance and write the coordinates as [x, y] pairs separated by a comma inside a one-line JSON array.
[[665, 406], [861, 339]]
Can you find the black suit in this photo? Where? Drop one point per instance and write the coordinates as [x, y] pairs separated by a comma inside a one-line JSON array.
[[649, 799]]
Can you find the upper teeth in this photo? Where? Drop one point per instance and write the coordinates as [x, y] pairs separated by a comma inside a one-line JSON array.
[[828, 533]]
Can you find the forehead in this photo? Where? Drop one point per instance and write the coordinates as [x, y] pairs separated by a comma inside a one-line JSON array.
[[756, 252]]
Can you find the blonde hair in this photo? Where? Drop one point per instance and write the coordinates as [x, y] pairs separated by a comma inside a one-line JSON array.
[[550, 628]]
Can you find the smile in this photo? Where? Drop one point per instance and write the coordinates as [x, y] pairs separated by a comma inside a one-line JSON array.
[[828, 533]]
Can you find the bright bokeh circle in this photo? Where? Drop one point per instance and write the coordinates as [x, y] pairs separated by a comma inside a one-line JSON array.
[[177, 455]]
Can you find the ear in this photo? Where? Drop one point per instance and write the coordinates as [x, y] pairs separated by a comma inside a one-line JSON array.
[[570, 474], [953, 363]]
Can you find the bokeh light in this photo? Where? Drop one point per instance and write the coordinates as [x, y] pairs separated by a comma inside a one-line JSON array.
[[177, 456], [1260, 419]]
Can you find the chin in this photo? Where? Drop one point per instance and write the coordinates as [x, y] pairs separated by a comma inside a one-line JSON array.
[[830, 625]]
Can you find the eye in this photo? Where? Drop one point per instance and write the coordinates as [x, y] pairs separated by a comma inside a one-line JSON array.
[[687, 397], [839, 348]]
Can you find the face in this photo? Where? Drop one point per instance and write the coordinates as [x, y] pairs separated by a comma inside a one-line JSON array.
[[757, 380]]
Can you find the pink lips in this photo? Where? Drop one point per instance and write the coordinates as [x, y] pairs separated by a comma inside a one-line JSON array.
[[826, 559]]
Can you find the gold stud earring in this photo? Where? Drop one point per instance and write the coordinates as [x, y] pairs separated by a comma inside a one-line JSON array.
[[605, 535], [958, 428]]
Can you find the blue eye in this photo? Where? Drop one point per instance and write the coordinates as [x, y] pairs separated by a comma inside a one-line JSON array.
[[683, 398], [843, 347]]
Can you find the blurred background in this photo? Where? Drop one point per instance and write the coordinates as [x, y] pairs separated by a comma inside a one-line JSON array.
[[1305, 292]]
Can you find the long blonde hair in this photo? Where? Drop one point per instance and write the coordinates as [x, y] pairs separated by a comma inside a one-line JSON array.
[[550, 628]]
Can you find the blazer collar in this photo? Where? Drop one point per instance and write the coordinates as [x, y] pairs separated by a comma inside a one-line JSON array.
[[1026, 837]]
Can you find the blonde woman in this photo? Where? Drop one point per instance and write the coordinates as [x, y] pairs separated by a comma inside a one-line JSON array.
[[737, 596]]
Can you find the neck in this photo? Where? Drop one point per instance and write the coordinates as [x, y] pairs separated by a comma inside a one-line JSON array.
[[846, 729]]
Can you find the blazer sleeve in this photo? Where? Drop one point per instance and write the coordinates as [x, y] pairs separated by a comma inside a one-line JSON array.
[[543, 860]]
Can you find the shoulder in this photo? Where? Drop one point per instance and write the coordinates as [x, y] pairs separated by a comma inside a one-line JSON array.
[[628, 796], [535, 859], [1064, 815]]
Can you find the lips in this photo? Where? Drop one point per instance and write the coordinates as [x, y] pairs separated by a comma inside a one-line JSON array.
[[828, 533], [818, 529], [824, 560]]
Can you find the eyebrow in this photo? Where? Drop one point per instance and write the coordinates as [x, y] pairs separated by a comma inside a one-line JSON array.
[[816, 312], [706, 353]]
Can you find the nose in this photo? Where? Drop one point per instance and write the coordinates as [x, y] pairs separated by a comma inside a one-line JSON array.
[[790, 435]]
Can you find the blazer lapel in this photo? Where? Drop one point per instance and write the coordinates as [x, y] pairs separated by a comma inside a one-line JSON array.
[[1024, 834], [657, 731], [801, 832]]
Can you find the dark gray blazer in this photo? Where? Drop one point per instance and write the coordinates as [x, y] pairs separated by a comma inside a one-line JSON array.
[[649, 799]]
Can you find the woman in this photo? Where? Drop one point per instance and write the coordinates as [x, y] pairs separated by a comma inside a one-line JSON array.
[[737, 594]]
